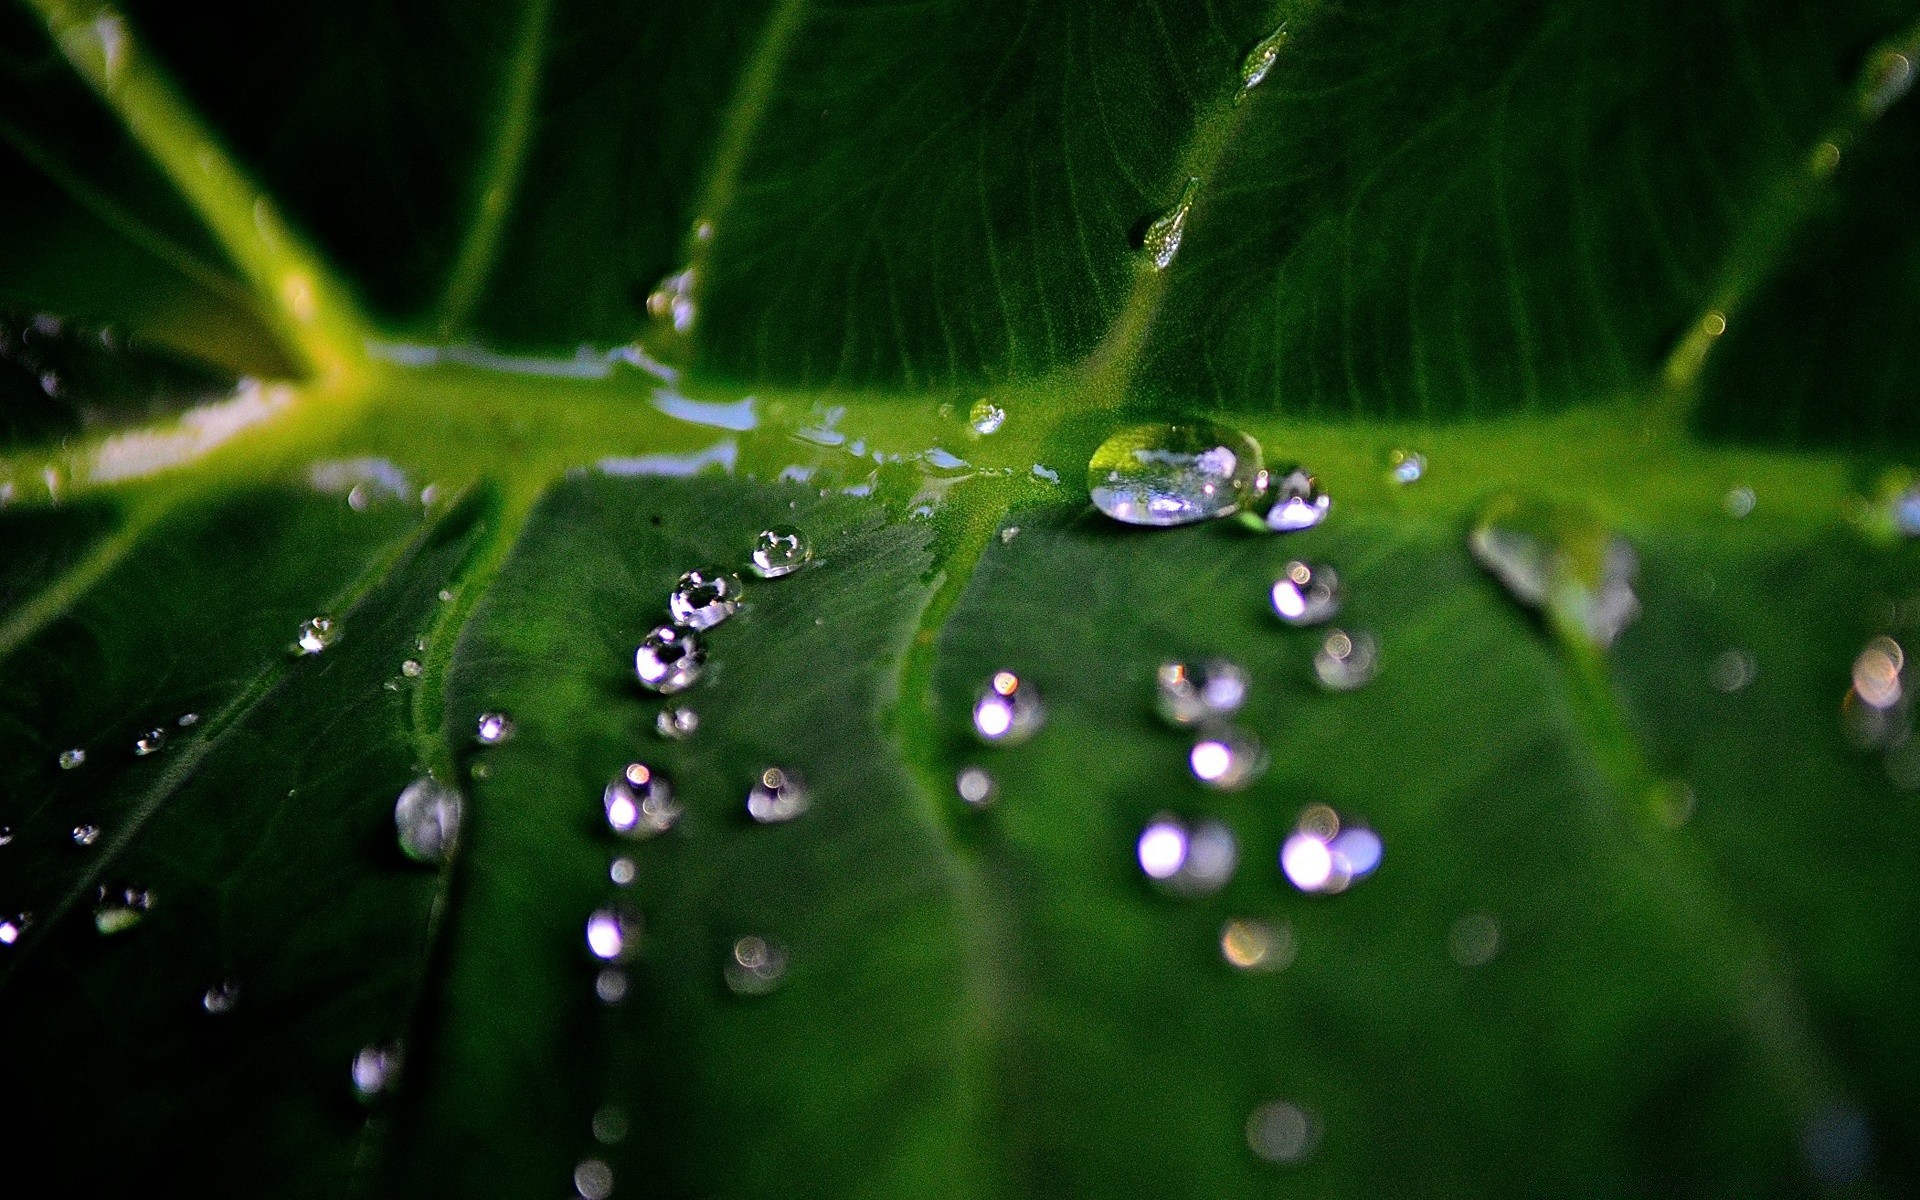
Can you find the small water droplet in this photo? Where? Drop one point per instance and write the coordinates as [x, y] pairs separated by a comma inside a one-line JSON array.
[[1251, 945], [1887, 77], [1174, 474], [411, 668], [593, 1179], [1878, 672], [610, 985], [676, 723], [640, 804], [1186, 695], [777, 796], [187, 720], [1008, 534], [85, 835], [623, 871], [15, 927], [778, 551], [1163, 237], [976, 787], [1561, 561], [1406, 466], [1321, 856], [316, 634], [1187, 862], [1227, 759], [1739, 502], [1008, 711], [492, 728], [669, 660], [1732, 671], [69, 759], [6, 835], [1280, 1132], [1824, 159], [703, 599], [1346, 661], [1474, 939], [610, 1125], [426, 819], [671, 301], [376, 1070], [119, 907], [446, 596], [1298, 501], [613, 935], [754, 967], [219, 999], [151, 742], [1259, 60], [986, 418], [1306, 594]]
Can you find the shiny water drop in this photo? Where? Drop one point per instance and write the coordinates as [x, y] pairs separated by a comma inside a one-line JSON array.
[[1250, 945], [1346, 661], [669, 660], [1878, 673], [6, 835], [1738, 502], [1355, 852], [1732, 671], [426, 820], [219, 999], [777, 796], [1259, 60], [1474, 939], [1283, 1133], [676, 723], [15, 927], [1306, 862], [1297, 501], [1197, 694], [376, 1070], [186, 719], [119, 907], [1306, 594], [610, 985], [986, 418], [976, 787], [1162, 239], [411, 668], [1562, 561], [69, 759], [492, 728], [1325, 857], [593, 1179], [778, 551], [1008, 711], [1196, 861], [1888, 76], [754, 967], [1406, 466], [1174, 474], [1227, 759], [613, 935], [623, 871], [151, 742], [703, 599], [86, 834], [316, 634], [610, 1125], [671, 301], [640, 804]]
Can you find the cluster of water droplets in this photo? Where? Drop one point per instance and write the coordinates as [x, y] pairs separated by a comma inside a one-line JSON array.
[[1326, 857]]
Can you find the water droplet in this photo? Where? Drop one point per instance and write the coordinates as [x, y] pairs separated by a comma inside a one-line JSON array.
[[1877, 673], [610, 1125], [1251, 945], [1298, 501], [446, 596], [1561, 561], [151, 742], [6, 835], [1162, 239], [1282, 1133], [1823, 160], [85, 835], [492, 728], [219, 999], [1186, 695], [754, 967], [1188, 862], [1406, 466], [1306, 594], [976, 787], [1346, 661], [119, 907], [1732, 671], [1008, 711], [703, 599], [1474, 939], [411, 668], [69, 759], [1174, 474], [610, 985], [593, 1179], [185, 720], [1888, 75], [986, 418], [676, 723], [613, 935], [426, 819], [669, 660], [779, 551], [776, 796], [623, 871], [316, 634], [1320, 856], [15, 927], [1227, 760], [376, 1070], [1739, 502], [671, 302], [640, 804], [1260, 60], [1906, 512]]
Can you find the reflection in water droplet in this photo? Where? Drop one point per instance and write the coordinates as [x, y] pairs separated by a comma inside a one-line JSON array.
[[15, 927], [316, 634], [119, 907], [1280, 1132], [1174, 474], [1163, 237], [671, 302], [778, 551], [219, 999], [610, 985], [1251, 945], [703, 599], [1259, 60], [376, 1069], [975, 786], [640, 804], [1887, 77], [1306, 594], [85, 835], [426, 820], [1227, 759], [1560, 560], [1195, 861], [69, 759], [1008, 711], [593, 1179], [1406, 466], [151, 742], [492, 728], [610, 1125], [676, 723], [613, 935], [1346, 661], [1474, 939], [669, 660], [986, 418], [1739, 502], [1187, 695], [754, 967], [1732, 671], [776, 796]]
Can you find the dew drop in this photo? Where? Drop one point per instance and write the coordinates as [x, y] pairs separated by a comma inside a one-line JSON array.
[[1250, 945], [1306, 594], [1227, 760], [610, 985], [219, 999], [676, 723], [1878, 673], [640, 804], [1561, 561], [1732, 671], [15, 927], [1322, 856], [754, 967], [69, 759], [119, 907], [703, 599], [1887, 77], [376, 1069], [1195, 861], [492, 728], [986, 418], [1187, 695], [426, 819], [1474, 939], [777, 796], [778, 551], [1162, 238], [1298, 502], [411, 668], [613, 935], [623, 871], [187, 719], [593, 1179], [1283, 1133], [1008, 711], [1406, 466], [976, 787], [669, 660], [1259, 60], [1174, 474], [1346, 661], [1738, 502], [671, 301], [85, 835], [151, 742], [6, 835], [1906, 512], [316, 634]]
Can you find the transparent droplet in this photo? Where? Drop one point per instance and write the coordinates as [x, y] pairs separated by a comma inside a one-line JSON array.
[[975, 787], [1008, 710], [1306, 862], [1196, 861], [610, 1125], [411, 668], [492, 728], [1174, 474], [613, 935], [1163, 236], [1297, 501], [186, 719], [1878, 672], [1251, 945], [623, 871], [703, 599], [671, 302], [1739, 502], [85, 834], [1346, 661], [986, 417], [151, 742], [1306, 594], [593, 1179], [669, 660], [15, 927], [316, 634], [1732, 671], [118, 907], [779, 551], [754, 967], [610, 985], [219, 999], [1562, 561], [1474, 939], [1888, 75], [376, 1069], [777, 795], [640, 804], [1355, 853], [6, 835], [1227, 759], [1406, 466], [1259, 60], [426, 819], [69, 759], [1186, 695], [1281, 1132], [676, 723]]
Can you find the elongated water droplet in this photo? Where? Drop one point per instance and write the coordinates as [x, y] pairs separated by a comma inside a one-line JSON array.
[[1008, 710], [492, 728], [69, 759], [151, 742], [1195, 861], [1346, 661], [1306, 594], [703, 599], [316, 634], [1878, 673], [640, 804], [778, 551], [975, 786], [754, 967], [1174, 474], [426, 819], [593, 1180], [669, 660], [1280, 1132], [1260, 60], [986, 418], [1406, 466], [219, 999], [1297, 501], [15, 927], [676, 723], [1227, 759], [376, 1070], [777, 796], [85, 834], [1187, 695], [1162, 239], [613, 935], [1251, 945], [1562, 561], [671, 302], [118, 907]]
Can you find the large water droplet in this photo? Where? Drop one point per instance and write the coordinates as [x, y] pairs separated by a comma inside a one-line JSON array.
[[376, 1070], [613, 935], [85, 834], [703, 599], [1188, 862], [777, 795], [1260, 60], [1251, 945], [1008, 710], [1227, 759], [426, 818], [1306, 594], [1346, 661], [1281, 1132], [411, 668], [151, 742], [778, 551], [118, 907], [593, 1180], [1562, 561], [1163, 237], [492, 728], [69, 759], [640, 804], [1298, 501], [754, 967], [219, 999], [1186, 694], [1174, 474], [986, 418], [669, 660], [316, 634], [15, 927], [676, 723]]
